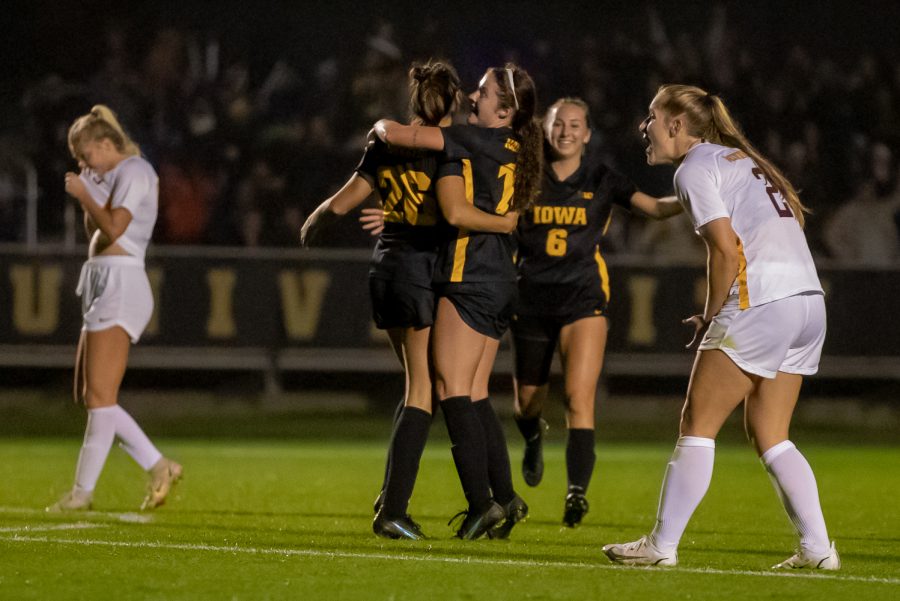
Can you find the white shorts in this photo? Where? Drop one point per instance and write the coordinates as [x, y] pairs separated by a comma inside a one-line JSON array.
[[783, 335], [115, 291]]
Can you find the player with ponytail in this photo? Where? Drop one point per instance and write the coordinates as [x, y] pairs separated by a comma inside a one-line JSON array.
[[762, 328], [118, 191], [414, 188], [502, 152]]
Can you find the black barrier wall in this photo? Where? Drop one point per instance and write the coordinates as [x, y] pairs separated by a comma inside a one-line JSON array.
[[283, 300]]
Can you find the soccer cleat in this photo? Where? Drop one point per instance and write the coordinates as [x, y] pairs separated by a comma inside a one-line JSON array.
[[476, 525], [516, 511], [533, 459], [74, 500], [576, 507], [403, 527], [640, 553], [803, 559], [379, 502], [163, 477]]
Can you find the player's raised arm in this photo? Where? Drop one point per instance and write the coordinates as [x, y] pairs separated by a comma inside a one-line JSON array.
[[419, 137]]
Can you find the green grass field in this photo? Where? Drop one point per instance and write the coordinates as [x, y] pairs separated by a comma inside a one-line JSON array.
[[276, 519]]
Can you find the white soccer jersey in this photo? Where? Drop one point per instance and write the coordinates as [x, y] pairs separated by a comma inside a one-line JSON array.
[[716, 181], [132, 184]]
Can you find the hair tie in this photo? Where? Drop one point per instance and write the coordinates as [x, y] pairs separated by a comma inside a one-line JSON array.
[[512, 86]]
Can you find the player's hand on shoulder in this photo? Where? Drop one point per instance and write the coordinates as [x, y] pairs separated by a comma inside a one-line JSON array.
[[371, 138]]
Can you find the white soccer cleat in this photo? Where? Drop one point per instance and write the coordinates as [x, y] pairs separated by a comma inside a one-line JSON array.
[[163, 477], [803, 559], [640, 553], [74, 500]]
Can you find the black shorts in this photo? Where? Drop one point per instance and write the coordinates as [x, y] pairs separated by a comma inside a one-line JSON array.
[[486, 307], [399, 304], [535, 339], [564, 302]]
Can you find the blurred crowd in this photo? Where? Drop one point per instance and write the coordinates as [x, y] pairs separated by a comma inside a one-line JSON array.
[[245, 153]]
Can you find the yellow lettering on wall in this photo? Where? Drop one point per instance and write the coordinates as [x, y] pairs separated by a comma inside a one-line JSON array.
[[35, 298], [642, 291], [220, 323], [301, 301], [155, 275]]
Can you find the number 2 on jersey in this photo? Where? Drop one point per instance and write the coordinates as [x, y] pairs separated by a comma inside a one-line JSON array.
[[783, 209]]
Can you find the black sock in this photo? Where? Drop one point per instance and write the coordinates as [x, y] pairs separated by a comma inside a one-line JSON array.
[[469, 452], [529, 426], [409, 440], [387, 464], [498, 455], [580, 457]]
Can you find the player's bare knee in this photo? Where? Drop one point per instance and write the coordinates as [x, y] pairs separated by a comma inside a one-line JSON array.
[[94, 399]]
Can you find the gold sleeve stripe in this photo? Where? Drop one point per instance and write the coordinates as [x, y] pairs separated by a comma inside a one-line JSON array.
[[462, 237], [743, 289], [606, 225], [604, 273]]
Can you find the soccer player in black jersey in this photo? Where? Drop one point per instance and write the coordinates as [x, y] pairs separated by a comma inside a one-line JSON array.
[[412, 185], [564, 290], [501, 148]]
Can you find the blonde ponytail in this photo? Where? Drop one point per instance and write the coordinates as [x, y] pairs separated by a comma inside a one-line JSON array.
[[98, 124], [708, 118]]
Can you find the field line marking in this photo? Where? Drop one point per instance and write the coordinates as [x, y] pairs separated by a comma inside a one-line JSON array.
[[134, 517], [73, 526], [443, 559]]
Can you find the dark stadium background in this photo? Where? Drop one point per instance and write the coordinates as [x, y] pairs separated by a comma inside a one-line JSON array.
[[50, 50]]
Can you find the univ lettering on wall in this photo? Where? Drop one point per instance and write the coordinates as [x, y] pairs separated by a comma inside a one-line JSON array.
[[307, 299]]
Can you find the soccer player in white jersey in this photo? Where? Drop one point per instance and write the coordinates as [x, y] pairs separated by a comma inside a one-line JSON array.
[[118, 191], [762, 328]]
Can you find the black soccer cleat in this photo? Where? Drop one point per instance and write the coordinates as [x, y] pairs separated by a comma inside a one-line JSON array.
[[576, 507], [516, 511], [403, 527], [533, 459], [476, 525]]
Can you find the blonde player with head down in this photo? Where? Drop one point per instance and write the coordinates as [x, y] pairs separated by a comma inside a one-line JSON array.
[[762, 328], [118, 191]]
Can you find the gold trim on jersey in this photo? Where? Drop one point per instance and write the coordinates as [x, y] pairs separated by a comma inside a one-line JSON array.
[[604, 273], [743, 289], [462, 236], [606, 225]]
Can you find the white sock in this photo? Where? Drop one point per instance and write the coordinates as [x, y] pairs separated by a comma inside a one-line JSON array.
[[98, 438], [796, 486], [133, 440], [687, 479]]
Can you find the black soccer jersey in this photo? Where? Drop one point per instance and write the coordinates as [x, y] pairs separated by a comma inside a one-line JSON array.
[[489, 167], [559, 237], [404, 181]]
